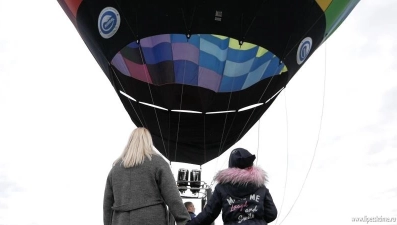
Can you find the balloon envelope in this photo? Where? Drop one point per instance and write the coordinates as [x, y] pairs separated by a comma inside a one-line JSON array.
[[199, 74]]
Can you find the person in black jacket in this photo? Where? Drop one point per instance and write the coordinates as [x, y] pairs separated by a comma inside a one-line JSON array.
[[241, 194], [190, 209]]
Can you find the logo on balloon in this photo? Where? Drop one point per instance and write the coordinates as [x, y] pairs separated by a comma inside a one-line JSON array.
[[108, 22], [303, 50]]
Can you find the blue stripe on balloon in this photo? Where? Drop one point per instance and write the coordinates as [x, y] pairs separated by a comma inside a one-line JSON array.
[[240, 56], [159, 53], [233, 69], [178, 38], [259, 61], [133, 45], [186, 72], [255, 76], [231, 84], [181, 38], [222, 44], [211, 62], [274, 68], [213, 49]]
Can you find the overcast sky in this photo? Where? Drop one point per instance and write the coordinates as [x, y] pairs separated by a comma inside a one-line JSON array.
[[62, 124]]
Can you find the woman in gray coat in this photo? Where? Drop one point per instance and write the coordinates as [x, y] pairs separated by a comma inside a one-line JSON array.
[[140, 185]]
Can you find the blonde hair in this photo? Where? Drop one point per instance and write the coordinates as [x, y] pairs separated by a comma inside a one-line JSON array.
[[139, 146]]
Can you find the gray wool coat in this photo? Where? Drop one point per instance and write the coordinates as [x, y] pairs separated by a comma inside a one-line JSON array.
[[139, 195]]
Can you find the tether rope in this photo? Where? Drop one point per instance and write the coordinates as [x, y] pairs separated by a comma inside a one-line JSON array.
[[287, 169], [318, 135]]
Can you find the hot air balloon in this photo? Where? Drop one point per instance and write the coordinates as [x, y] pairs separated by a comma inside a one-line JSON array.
[[199, 74]]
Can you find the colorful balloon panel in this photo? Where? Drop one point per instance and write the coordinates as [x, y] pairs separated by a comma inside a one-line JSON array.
[[203, 60]]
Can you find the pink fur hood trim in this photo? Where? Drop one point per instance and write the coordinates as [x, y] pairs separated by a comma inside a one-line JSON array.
[[254, 175]]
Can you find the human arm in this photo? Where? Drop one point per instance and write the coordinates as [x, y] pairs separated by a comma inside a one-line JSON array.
[[108, 201], [169, 192], [269, 208], [211, 210]]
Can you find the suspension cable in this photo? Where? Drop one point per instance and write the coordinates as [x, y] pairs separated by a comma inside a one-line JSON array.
[[287, 167], [281, 60], [179, 115], [257, 149], [318, 135], [224, 127], [129, 100], [151, 96]]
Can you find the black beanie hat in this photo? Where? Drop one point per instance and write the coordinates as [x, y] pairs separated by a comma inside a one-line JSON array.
[[241, 158]]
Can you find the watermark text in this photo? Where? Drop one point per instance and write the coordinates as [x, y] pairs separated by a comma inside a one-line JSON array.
[[374, 219]]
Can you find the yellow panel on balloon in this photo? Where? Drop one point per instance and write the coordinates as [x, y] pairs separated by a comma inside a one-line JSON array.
[[324, 4], [219, 36], [261, 52], [234, 44]]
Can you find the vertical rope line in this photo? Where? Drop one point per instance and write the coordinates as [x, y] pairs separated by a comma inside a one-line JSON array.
[[191, 20], [180, 108], [287, 169], [318, 135], [129, 100], [224, 125], [143, 117], [128, 24], [282, 58], [169, 136], [205, 148], [252, 21], [252, 112], [151, 96], [257, 149]]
